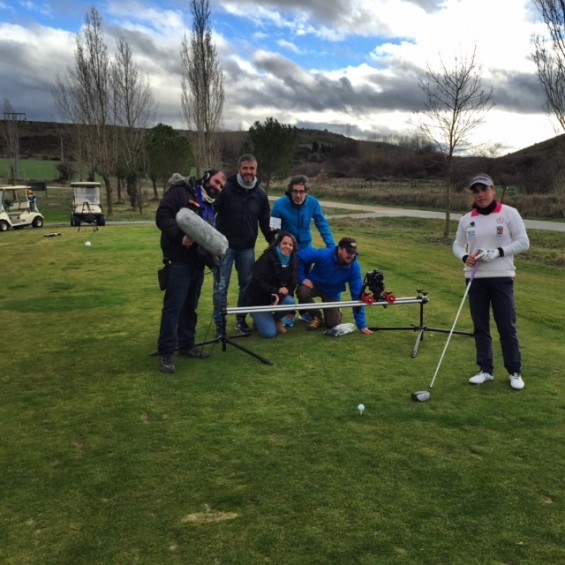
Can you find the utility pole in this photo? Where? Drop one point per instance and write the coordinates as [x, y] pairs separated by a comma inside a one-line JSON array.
[[12, 135]]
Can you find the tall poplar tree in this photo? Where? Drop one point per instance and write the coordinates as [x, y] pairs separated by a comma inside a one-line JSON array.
[[202, 86]]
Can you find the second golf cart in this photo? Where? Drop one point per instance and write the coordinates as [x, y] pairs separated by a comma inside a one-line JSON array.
[[18, 208], [86, 207]]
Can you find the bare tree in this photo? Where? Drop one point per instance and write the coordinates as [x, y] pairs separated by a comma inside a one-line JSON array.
[[85, 98], [549, 56], [456, 103], [202, 86], [135, 109]]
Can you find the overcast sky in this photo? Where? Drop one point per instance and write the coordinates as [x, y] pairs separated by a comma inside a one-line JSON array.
[[351, 66]]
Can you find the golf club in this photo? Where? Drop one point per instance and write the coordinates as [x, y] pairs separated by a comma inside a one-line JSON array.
[[423, 395]]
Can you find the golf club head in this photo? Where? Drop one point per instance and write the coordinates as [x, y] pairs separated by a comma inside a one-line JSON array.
[[421, 395]]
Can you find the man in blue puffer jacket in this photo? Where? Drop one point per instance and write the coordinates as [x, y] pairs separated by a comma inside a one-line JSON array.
[[331, 270], [297, 209]]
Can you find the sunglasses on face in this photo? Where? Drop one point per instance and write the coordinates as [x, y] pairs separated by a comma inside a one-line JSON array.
[[479, 188]]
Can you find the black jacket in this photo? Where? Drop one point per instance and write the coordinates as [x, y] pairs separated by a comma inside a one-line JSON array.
[[240, 212], [268, 276], [179, 195]]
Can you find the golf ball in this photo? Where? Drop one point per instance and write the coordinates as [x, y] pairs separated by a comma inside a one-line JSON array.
[[87, 243], [361, 407]]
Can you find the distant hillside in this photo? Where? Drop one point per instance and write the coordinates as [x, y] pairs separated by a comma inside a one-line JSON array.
[[46, 140], [550, 148], [50, 140], [329, 155], [42, 140]]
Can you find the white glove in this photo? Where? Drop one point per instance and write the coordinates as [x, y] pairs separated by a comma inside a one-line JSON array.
[[488, 255]]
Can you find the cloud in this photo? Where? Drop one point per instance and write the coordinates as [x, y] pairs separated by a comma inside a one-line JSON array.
[[135, 15], [26, 74], [517, 92], [326, 16], [353, 63], [288, 46]]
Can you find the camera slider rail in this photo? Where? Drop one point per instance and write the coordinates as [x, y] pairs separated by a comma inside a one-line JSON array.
[[421, 328], [226, 340], [421, 299]]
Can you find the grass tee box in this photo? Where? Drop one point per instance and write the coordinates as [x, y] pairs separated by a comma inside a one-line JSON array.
[[86, 207], [18, 209], [105, 460]]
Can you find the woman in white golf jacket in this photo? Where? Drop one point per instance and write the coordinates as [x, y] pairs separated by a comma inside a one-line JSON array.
[[491, 234]]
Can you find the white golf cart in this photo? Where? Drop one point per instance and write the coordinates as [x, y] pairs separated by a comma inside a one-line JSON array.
[[86, 207], [18, 208]]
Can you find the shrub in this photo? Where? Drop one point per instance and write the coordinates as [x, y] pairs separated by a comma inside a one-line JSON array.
[[66, 171]]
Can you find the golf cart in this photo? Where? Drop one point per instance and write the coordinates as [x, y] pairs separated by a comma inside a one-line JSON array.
[[86, 207], [18, 208]]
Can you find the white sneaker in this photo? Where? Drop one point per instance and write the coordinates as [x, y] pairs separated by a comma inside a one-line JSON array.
[[481, 378], [516, 381]]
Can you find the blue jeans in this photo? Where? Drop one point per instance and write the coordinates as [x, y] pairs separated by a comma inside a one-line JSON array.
[[244, 260], [496, 293], [266, 321], [179, 317]]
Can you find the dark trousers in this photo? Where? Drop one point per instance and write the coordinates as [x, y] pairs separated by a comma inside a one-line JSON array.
[[496, 293], [179, 317], [332, 316]]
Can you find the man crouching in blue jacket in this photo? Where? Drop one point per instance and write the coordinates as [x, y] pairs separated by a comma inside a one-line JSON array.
[[331, 269]]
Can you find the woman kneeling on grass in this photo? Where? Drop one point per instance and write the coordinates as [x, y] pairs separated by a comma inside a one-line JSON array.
[[273, 282]]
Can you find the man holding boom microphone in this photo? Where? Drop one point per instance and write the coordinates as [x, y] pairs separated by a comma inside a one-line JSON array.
[[184, 264]]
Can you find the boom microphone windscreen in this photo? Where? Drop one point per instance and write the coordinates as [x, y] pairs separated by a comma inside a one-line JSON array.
[[202, 232]]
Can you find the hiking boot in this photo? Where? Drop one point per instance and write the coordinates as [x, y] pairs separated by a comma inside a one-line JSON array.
[[481, 378], [194, 353], [516, 381], [280, 327], [314, 324], [166, 364], [242, 327]]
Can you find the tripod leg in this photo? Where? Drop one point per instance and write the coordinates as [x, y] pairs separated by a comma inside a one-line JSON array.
[[225, 340], [419, 338], [223, 325], [245, 350]]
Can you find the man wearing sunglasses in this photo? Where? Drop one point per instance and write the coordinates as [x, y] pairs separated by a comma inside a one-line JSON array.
[[487, 239], [296, 210]]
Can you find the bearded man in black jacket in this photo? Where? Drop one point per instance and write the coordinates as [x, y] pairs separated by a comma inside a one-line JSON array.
[[184, 262], [241, 209]]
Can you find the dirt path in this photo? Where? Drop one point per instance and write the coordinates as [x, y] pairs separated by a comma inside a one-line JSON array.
[[374, 211]]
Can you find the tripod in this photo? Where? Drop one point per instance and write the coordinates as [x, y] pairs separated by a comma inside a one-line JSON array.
[[225, 340], [421, 328]]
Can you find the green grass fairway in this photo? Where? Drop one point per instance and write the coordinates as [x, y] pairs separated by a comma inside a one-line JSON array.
[[37, 169], [104, 460]]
